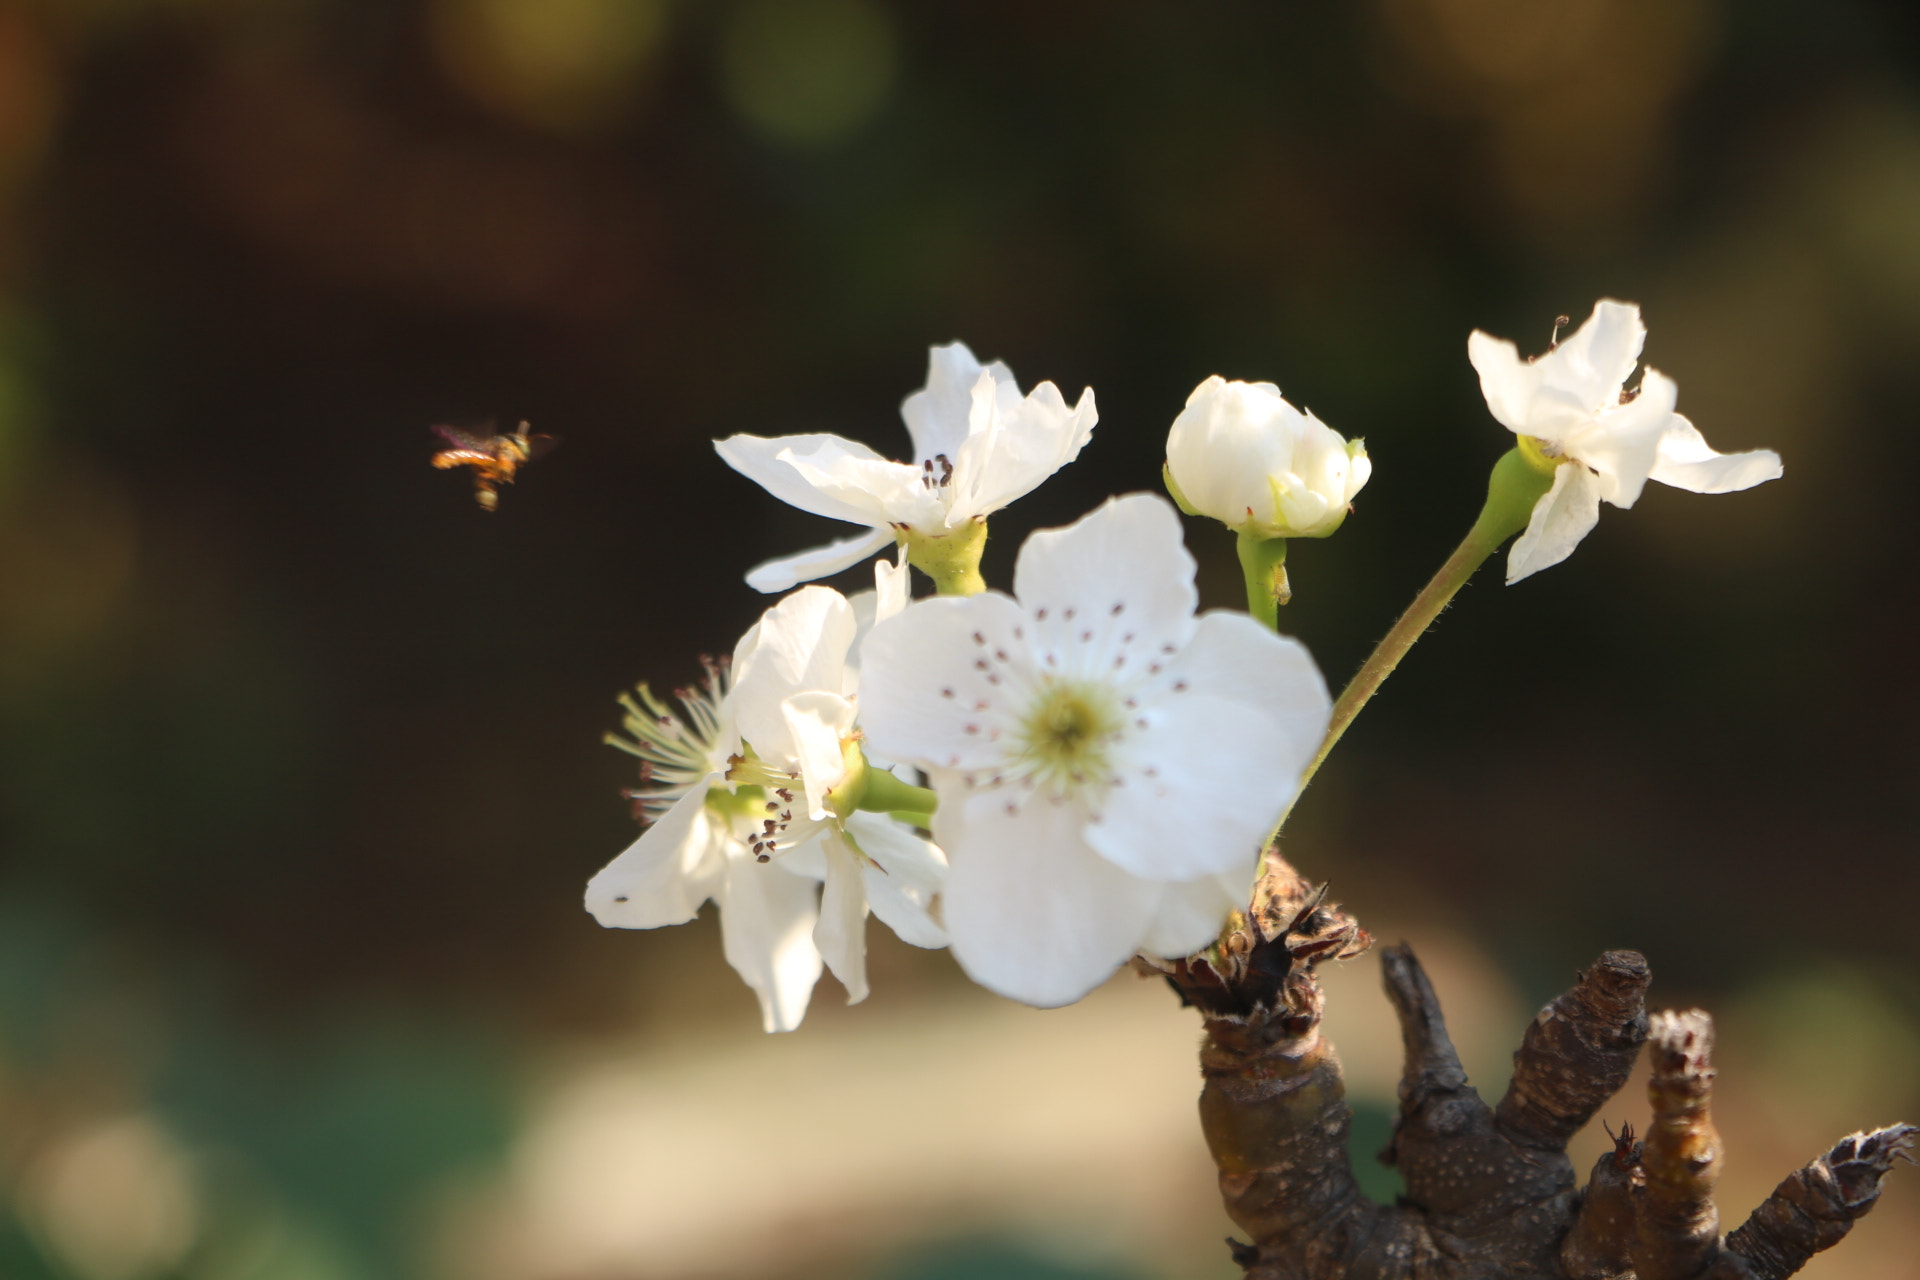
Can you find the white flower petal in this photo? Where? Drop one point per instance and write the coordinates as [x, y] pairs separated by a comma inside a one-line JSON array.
[[1622, 443], [1508, 382], [802, 646], [841, 933], [891, 587], [664, 876], [886, 492], [905, 874], [923, 677], [770, 463], [1115, 585], [1191, 914], [1594, 361], [936, 415], [1522, 395], [1200, 786], [1563, 516], [766, 929], [784, 572], [1232, 656], [1687, 462], [1032, 912], [817, 723], [1012, 448]]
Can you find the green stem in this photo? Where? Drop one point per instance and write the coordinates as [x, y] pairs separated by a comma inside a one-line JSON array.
[[887, 794], [1512, 490], [1264, 563], [951, 558]]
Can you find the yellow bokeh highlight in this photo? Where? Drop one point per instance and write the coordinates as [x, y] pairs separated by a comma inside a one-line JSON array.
[[808, 72], [565, 65]]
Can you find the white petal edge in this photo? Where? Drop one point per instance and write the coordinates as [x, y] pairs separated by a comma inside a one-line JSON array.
[[841, 933], [766, 930], [1565, 514], [785, 572], [1032, 912], [802, 647], [663, 877], [906, 874], [769, 463], [1687, 462], [1191, 914]]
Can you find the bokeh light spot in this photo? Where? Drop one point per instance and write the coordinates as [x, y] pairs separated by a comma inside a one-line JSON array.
[[809, 72], [566, 65]]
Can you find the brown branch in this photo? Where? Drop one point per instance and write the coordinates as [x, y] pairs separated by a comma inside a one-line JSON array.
[[1678, 1227], [1490, 1193], [1816, 1206], [1597, 1247], [1577, 1053]]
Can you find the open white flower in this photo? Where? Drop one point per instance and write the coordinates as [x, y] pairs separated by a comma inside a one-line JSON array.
[[977, 445], [794, 702], [696, 849], [1107, 764], [1241, 454], [1572, 412]]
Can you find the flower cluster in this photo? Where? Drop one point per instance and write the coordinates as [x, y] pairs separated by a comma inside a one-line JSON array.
[[1103, 765]]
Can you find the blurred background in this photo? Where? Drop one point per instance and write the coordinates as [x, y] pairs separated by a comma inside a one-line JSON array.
[[300, 759]]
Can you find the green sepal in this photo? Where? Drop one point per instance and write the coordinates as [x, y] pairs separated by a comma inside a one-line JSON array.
[[1514, 488], [885, 793], [952, 558], [1173, 490]]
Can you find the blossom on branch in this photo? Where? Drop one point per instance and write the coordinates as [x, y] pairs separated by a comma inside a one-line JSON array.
[[747, 795], [978, 444], [1241, 454], [1108, 765], [795, 698], [695, 850], [1601, 441]]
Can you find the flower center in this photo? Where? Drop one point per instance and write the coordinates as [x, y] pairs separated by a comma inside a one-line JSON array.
[[1540, 455], [1065, 736]]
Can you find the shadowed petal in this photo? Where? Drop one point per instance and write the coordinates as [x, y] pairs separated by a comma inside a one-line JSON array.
[[665, 875], [1032, 912], [785, 572], [1562, 517], [766, 929], [908, 871]]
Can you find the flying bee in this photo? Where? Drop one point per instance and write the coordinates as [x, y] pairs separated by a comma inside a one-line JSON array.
[[494, 457]]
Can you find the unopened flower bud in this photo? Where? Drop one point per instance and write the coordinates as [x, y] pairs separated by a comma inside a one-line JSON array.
[[1244, 456]]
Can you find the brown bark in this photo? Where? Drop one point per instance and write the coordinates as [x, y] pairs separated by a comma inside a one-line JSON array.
[[1491, 1194]]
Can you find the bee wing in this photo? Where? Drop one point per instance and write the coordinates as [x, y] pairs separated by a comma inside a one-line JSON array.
[[464, 440], [541, 446]]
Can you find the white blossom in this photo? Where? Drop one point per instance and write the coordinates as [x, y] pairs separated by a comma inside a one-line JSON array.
[[745, 823], [978, 444], [1108, 765], [1571, 408], [1241, 454], [795, 706], [695, 850]]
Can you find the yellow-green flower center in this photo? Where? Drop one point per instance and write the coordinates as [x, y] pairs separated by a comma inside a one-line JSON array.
[[1064, 738], [1540, 455]]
